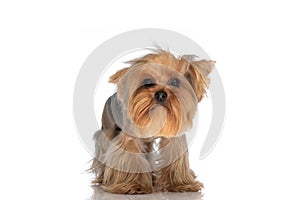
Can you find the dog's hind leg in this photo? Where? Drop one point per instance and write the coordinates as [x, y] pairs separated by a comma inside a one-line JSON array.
[[102, 140]]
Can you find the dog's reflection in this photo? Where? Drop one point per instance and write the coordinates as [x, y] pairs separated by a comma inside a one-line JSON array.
[[99, 194]]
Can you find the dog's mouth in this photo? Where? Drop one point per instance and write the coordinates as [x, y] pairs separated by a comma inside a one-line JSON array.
[[158, 106]]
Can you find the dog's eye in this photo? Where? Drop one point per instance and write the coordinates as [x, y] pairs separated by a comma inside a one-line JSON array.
[[147, 82], [175, 82]]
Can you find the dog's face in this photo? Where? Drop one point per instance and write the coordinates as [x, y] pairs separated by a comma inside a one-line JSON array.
[[159, 93]]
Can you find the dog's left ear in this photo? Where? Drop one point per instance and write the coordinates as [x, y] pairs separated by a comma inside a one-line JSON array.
[[197, 75], [118, 75]]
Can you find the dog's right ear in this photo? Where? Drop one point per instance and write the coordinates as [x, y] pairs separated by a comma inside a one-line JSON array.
[[118, 75], [197, 75]]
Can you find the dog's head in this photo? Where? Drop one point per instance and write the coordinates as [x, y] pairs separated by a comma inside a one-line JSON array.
[[160, 92]]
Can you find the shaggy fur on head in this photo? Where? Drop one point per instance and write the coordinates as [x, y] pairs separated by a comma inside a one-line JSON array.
[[156, 97]]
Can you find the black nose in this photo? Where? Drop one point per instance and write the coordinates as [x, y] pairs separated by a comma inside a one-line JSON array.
[[161, 96]]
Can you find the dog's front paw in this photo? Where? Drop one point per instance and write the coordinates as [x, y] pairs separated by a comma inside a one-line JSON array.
[[125, 188], [195, 186], [126, 183]]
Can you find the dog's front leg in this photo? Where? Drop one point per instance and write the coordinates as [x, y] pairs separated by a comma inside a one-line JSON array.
[[127, 169], [175, 174]]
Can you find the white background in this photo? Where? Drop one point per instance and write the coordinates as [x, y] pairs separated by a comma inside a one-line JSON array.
[[256, 46]]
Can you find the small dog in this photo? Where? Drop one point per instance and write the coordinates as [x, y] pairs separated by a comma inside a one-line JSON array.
[[156, 98]]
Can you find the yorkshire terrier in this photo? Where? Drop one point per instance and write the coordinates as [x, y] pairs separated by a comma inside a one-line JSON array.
[[142, 145]]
